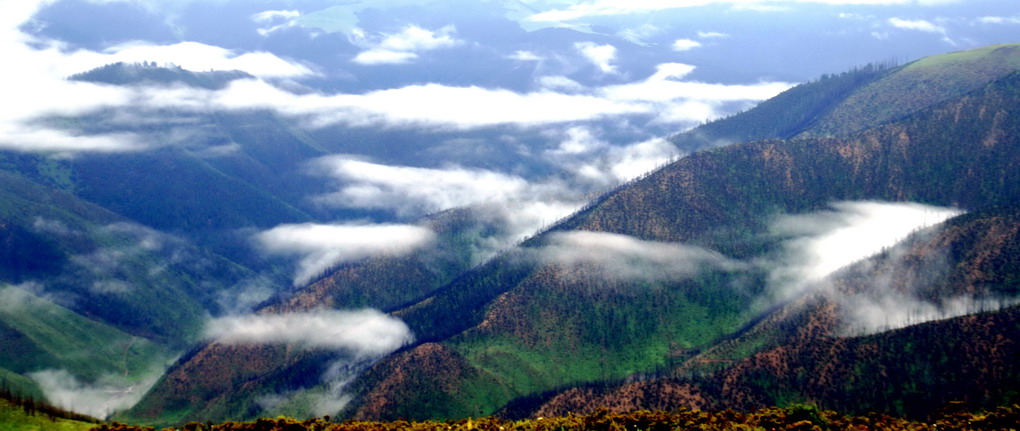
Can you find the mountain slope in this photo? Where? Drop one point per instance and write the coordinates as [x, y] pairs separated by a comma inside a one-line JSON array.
[[784, 116], [960, 153], [808, 350], [857, 100], [223, 381], [92, 261], [92, 298], [646, 277], [918, 85]]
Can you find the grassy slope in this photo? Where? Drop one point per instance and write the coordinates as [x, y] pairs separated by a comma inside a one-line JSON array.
[[40, 334], [550, 332], [14, 418], [800, 353], [918, 85], [19, 386], [74, 244], [784, 116]]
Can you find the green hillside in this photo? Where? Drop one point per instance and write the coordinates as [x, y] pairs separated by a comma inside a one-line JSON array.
[[39, 335], [89, 294], [807, 351], [221, 382], [518, 334], [789, 114], [14, 418], [19, 412], [918, 85], [90, 258]]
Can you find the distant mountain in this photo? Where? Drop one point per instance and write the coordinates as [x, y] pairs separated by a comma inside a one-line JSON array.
[[674, 272], [151, 73], [860, 99]]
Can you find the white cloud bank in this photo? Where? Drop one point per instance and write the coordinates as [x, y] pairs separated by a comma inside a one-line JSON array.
[[515, 207], [365, 336], [403, 47], [41, 90], [624, 257], [825, 241], [664, 95], [886, 310], [412, 191], [320, 246], [679, 101], [108, 394], [363, 333], [37, 87], [685, 45], [916, 25], [429, 105], [601, 165], [520, 207], [602, 56]]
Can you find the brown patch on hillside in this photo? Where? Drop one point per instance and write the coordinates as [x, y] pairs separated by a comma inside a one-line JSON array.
[[214, 370], [429, 367], [655, 395]]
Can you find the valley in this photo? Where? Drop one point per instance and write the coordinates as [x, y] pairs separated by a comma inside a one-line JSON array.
[[598, 234]]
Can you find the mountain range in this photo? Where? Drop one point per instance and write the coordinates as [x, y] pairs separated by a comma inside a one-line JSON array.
[[730, 278], [323, 209]]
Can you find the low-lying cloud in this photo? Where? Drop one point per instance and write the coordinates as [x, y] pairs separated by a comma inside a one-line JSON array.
[[40, 86], [322, 246], [131, 248], [870, 314], [904, 286], [515, 207], [602, 56], [402, 47], [600, 165], [101, 398], [624, 257], [363, 333], [362, 336], [411, 191], [822, 242], [667, 85]]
